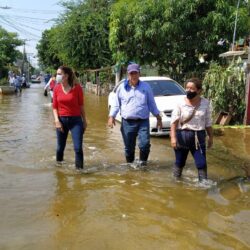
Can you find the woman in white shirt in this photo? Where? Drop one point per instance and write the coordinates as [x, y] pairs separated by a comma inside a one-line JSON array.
[[191, 123]]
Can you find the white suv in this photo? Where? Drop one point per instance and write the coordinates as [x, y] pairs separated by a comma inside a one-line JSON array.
[[167, 94]]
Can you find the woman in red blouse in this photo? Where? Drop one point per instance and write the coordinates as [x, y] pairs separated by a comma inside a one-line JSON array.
[[69, 114]]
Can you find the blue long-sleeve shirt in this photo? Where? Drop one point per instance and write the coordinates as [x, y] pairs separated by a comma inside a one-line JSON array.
[[134, 102]]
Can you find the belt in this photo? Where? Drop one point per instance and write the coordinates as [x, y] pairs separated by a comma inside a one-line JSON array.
[[134, 120]]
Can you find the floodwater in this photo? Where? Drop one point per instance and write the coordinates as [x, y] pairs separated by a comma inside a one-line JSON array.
[[111, 205]]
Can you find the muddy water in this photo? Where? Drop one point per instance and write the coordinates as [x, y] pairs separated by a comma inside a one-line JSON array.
[[112, 205]]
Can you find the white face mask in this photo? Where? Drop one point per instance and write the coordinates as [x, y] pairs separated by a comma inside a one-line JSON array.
[[58, 78]]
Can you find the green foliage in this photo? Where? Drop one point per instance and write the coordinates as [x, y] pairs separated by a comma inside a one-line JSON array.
[[80, 39], [174, 34], [48, 50], [225, 87], [171, 35], [106, 77], [8, 52], [4, 82], [136, 30]]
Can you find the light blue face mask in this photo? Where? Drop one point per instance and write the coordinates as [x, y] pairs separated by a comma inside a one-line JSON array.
[[59, 78]]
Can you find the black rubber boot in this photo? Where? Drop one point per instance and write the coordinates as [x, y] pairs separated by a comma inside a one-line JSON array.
[[202, 174], [177, 171], [79, 165], [143, 158], [130, 159]]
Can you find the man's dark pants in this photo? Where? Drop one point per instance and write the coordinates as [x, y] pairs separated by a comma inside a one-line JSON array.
[[130, 129]]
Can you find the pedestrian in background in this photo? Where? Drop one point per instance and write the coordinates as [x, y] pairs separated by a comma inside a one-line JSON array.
[[69, 114], [24, 83], [50, 87], [190, 124], [135, 100], [18, 83], [12, 80], [47, 77]]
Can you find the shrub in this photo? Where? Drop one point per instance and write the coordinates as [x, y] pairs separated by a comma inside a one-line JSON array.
[[4, 82], [225, 87]]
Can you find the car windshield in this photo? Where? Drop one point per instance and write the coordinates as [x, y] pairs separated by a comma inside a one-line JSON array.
[[165, 87]]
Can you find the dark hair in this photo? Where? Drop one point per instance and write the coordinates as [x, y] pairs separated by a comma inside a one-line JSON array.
[[70, 73], [196, 81]]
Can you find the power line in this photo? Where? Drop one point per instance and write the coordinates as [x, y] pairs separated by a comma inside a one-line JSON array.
[[26, 22], [50, 12], [29, 18], [5, 7], [10, 24], [19, 22], [22, 23]]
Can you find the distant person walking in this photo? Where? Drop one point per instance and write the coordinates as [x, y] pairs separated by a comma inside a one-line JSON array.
[[69, 114], [135, 101], [18, 84], [12, 80], [50, 86], [190, 124], [47, 77], [24, 83]]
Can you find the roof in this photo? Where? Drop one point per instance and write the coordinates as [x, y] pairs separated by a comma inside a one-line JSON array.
[[152, 78]]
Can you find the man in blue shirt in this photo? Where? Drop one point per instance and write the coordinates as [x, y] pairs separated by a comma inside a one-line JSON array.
[[135, 100]]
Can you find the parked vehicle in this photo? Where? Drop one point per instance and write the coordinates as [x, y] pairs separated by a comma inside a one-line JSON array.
[[167, 94], [35, 79]]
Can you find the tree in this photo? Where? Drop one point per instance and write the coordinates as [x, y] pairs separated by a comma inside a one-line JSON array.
[[80, 39], [225, 87], [136, 30], [8, 53], [48, 50], [173, 34]]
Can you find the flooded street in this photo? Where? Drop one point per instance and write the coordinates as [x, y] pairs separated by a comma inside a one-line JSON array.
[[112, 205]]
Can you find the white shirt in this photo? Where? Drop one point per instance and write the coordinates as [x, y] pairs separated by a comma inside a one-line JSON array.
[[200, 120]]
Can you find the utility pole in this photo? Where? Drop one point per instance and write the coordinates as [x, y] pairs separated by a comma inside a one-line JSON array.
[[23, 62], [235, 24], [247, 111], [25, 59], [29, 63]]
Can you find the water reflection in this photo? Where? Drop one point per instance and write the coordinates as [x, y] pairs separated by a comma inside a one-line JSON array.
[[68, 208], [113, 205]]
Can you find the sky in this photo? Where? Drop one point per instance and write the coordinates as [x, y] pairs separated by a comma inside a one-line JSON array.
[[29, 18]]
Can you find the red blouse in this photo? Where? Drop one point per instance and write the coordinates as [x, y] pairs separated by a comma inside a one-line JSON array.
[[52, 84], [68, 104]]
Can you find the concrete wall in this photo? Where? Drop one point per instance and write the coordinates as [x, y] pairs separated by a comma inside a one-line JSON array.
[[7, 90]]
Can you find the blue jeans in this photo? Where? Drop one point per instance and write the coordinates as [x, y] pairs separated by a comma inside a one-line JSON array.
[[18, 88], [73, 124], [186, 143], [130, 129]]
